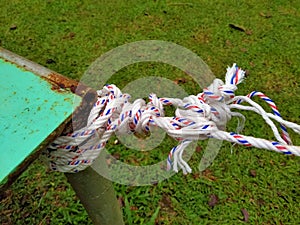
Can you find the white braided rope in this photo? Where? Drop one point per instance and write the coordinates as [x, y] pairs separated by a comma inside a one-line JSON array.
[[196, 118]]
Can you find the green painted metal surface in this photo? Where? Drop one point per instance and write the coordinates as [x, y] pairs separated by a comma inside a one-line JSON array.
[[29, 112]]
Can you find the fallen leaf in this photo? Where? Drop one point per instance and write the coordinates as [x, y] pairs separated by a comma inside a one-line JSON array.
[[207, 174], [237, 27], [198, 149], [180, 81], [268, 15], [196, 175], [70, 35], [249, 32], [213, 200], [246, 215], [13, 27], [228, 43], [166, 202], [252, 173]]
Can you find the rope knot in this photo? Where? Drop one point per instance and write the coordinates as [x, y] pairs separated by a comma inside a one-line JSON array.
[[197, 117]]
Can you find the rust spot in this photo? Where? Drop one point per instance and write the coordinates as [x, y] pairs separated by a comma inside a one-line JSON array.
[[61, 82], [62, 86], [73, 88], [22, 67], [67, 99]]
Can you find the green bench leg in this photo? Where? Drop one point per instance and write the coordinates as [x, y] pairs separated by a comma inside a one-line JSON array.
[[98, 197]]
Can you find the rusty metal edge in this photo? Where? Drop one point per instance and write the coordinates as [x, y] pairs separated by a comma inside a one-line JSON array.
[[58, 82], [23, 62]]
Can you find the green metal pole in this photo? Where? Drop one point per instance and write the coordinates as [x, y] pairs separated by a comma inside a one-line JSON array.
[[97, 194]]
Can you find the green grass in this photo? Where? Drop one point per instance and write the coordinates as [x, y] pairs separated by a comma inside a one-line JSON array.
[[73, 34]]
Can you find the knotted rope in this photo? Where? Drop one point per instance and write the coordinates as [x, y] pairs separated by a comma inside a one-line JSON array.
[[197, 117]]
